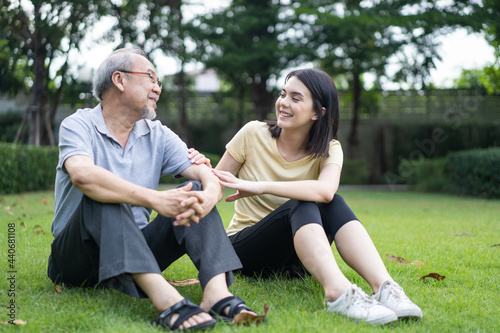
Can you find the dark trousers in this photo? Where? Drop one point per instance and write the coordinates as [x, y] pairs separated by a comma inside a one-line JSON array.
[[102, 244], [267, 247]]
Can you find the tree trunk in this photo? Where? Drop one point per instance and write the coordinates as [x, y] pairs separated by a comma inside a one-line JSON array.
[[353, 140], [241, 107], [37, 104], [182, 121], [262, 99]]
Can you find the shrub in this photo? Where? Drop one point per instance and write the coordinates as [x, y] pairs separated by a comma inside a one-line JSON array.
[[354, 172], [430, 175], [26, 168], [475, 172], [9, 124]]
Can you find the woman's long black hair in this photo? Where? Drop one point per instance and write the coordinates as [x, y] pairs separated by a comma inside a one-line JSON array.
[[324, 95]]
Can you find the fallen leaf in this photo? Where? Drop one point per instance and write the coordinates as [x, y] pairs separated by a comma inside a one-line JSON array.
[[44, 201], [399, 260], [7, 207], [433, 275], [248, 319], [38, 229], [464, 234], [417, 263], [58, 288], [14, 322], [184, 283], [10, 213]]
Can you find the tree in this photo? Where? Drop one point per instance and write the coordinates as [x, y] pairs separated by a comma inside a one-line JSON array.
[[249, 44], [490, 16], [356, 37], [38, 33], [158, 25]]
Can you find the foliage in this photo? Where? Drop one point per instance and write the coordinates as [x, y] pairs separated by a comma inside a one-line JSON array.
[[469, 172], [26, 168], [38, 33], [414, 142], [9, 124], [487, 78], [431, 175], [475, 172], [249, 44], [358, 37], [354, 172]]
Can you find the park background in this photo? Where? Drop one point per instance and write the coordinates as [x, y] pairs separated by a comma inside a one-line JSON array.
[[401, 128]]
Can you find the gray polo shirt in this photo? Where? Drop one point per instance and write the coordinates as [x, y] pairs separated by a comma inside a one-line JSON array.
[[152, 150]]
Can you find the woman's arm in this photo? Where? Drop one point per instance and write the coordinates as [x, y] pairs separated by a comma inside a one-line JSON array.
[[321, 190]]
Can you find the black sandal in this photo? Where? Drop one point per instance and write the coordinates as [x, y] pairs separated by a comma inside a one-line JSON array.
[[236, 305], [186, 309]]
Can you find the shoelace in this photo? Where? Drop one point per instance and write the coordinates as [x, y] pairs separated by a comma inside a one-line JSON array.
[[357, 296], [396, 292]]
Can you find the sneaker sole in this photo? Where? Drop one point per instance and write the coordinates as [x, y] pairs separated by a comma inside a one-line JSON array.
[[409, 314], [384, 320]]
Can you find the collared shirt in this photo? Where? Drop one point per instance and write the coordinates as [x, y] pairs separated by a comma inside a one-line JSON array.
[[152, 150]]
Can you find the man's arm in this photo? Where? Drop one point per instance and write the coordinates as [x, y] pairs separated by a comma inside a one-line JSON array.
[[104, 186]]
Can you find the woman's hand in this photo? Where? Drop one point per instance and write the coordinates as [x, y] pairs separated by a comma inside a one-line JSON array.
[[244, 188], [198, 158]]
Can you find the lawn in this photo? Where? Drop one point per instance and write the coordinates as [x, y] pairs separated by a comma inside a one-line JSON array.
[[452, 236]]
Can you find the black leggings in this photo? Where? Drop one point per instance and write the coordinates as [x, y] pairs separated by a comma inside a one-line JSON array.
[[267, 247]]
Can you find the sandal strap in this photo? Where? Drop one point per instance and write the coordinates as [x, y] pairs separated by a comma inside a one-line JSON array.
[[184, 308], [236, 305]]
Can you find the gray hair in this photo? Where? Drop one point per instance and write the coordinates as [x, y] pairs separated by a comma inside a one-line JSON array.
[[120, 59]]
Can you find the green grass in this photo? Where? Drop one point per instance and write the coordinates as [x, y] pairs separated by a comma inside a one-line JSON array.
[[414, 226]]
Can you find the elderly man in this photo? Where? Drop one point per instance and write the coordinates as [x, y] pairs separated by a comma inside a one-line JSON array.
[[110, 161]]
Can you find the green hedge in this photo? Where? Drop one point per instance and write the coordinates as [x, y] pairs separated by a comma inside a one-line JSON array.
[[354, 172], [469, 172], [9, 124], [475, 172], [435, 140], [430, 175], [26, 168]]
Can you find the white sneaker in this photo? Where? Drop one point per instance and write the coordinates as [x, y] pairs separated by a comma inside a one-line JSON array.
[[392, 296], [355, 304]]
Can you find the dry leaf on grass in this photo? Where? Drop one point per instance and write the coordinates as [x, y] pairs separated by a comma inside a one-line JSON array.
[[399, 260], [433, 275], [44, 201], [417, 263], [13, 322], [38, 230], [248, 319], [403, 261], [58, 288], [184, 283]]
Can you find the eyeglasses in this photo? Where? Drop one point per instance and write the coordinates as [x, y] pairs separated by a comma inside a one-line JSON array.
[[153, 80]]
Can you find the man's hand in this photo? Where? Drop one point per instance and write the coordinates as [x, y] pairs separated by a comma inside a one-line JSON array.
[[181, 203]]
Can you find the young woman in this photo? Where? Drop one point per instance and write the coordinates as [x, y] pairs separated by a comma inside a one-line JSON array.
[[287, 213]]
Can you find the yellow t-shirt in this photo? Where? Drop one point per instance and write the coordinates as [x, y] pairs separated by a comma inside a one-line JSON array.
[[255, 148]]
